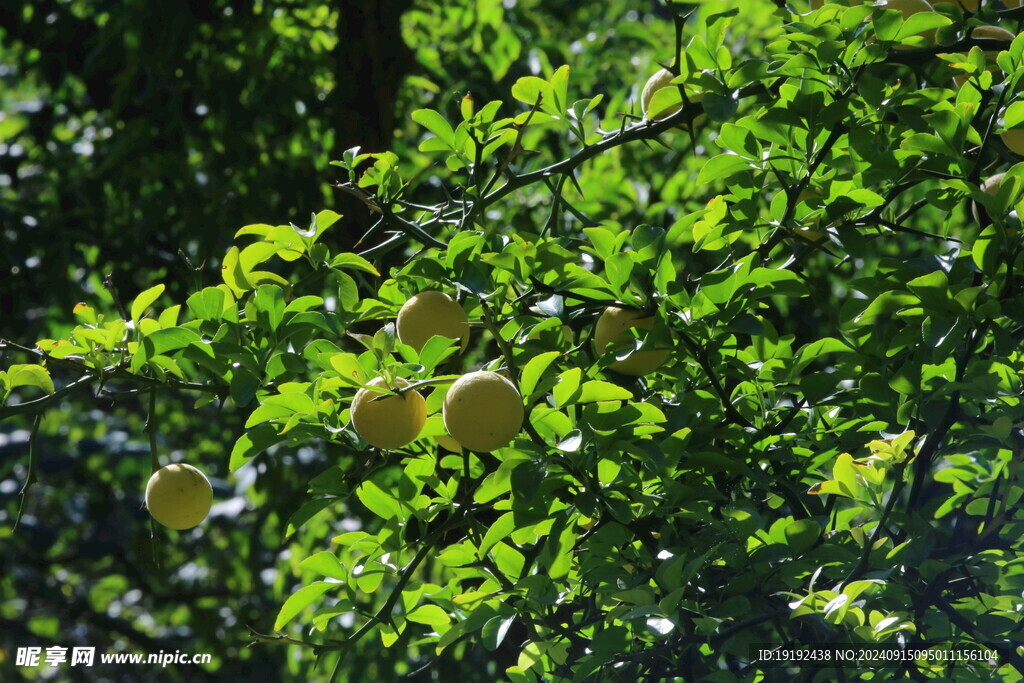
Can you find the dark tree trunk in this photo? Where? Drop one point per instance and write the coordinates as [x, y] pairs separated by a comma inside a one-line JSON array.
[[371, 61]]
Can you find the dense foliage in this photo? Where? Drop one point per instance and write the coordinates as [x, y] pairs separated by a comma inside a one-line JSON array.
[[828, 454]]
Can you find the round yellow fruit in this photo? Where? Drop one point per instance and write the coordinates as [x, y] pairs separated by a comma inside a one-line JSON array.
[[483, 411], [993, 32], [432, 313], [391, 421], [1014, 140], [179, 496], [663, 79], [613, 328]]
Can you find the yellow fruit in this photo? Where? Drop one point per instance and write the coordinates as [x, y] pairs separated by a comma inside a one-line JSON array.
[[432, 313], [659, 80], [179, 496], [391, 421], [483, 411], [1014, 140], [448, 443], [993, 32], [613, 328]]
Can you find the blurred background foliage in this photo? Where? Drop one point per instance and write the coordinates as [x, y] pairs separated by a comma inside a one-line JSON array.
[[134, 141]]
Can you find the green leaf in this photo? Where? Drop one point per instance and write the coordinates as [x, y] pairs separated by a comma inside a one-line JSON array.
[[436, 124], [530, 89], [354, 262], [169, 318], [534, 370], [618, 268], [251, 444], [207, 304], [921, 22], [269, 303], [243, 386], [255, 254], [557, 553], [884, 305], [608, 470], [495, 630], [378, 501], [568, 385], [510, 561], [301, 599], [170, 339], [307, 511], [560, 89], [431, 615], [1013, 117], [162, 341], [597, 390], [303, 304], [604, 240], [144, 300], [531, 655], [232, 274], [29, 376], [987, 249], [722, 166], [660, 626], [801, 534], [719, 107], [324, 220], [498, 531], [325, 563]]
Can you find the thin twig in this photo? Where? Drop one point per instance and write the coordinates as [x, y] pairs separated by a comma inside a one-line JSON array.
[[30, 478], [154, 461]]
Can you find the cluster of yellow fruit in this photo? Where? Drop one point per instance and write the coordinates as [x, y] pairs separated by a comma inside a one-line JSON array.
[[483, 410], [179, 496]]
